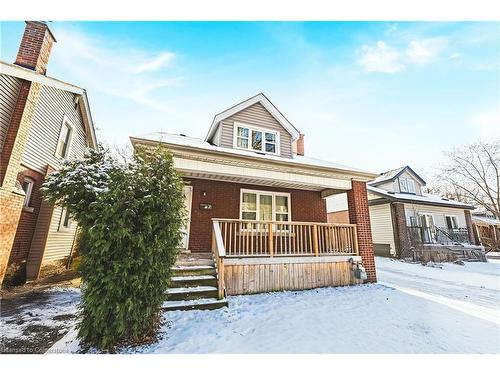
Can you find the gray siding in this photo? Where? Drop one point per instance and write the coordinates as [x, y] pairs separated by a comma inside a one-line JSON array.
[[9, 90], [52, 106], [381, 224], [258, 116]]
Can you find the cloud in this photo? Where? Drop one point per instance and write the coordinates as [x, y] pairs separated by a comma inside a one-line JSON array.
[[380, 58], [487, 124], [424, 51], [117, 69], [161, 61], [384, 58]]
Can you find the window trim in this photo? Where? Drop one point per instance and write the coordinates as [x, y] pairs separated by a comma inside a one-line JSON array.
[[265, 192], [61, 227], [451, 216], [407, 181], [65, 120], [28, 193], [237, 124]]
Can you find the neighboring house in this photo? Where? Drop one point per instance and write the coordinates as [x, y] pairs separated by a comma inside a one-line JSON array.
[[257, 202], [487, 229], [43, 122], [403, 217]]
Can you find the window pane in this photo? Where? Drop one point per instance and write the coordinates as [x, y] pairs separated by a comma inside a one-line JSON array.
[[270, 137], [281, 217], [242, 132], [249, 202], [242, 142], [281, 204], [402, 182], [257, 140], [270, 147], [249, 215], [411, 186], [266, 207]]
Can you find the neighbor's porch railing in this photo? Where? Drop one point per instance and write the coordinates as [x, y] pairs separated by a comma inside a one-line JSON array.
[[250, 238], [437, 235]]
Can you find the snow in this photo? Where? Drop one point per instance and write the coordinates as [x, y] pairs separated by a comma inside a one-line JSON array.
[[414, 309], [424, 198], [198, 143]]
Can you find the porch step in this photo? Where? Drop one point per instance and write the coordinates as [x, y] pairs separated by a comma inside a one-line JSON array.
[[194, 270], [198, 304], [194, 280], [190, 293]]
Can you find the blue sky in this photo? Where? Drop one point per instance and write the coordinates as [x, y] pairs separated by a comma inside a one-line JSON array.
[[374, 95]]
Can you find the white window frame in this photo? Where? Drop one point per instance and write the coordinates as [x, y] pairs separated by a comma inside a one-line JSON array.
[[65, 121], [62, 227], [29, 191], [407, 183], [273, 194], [251, 128], [456, 221]]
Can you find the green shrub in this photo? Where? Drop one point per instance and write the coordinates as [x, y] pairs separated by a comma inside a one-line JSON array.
[[130, 217]]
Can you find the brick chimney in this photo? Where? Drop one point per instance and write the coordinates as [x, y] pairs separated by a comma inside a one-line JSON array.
[[300, 144], [35, 47]]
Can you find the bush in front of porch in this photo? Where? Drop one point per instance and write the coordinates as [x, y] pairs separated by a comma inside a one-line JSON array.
[[130, 216]]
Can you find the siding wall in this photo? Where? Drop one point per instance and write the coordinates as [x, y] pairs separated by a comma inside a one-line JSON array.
[[59, 242], [9, 90], [438, 214], [381, 223], [52, 106], [255, 115], [394, 185]]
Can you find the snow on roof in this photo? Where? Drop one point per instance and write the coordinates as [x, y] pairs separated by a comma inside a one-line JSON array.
[[485, 220], [392, 174], [183, 140], [424, 198]]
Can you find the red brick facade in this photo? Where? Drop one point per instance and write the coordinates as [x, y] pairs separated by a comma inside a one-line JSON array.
[[225, 200], [357, 201], [401, 236], [35, 47], [27, 221]]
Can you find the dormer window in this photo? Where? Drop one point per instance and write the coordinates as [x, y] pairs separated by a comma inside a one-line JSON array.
[[406, 185], [256, 139]]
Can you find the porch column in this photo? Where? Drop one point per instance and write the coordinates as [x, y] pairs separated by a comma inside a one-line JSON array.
[[401, 235], [470, 228], [357, 202]]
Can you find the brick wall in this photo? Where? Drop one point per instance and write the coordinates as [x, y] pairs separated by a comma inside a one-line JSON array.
[[339, 217], [401, 236], [35, 47], [28, 218], [357, 202], [225, 200]]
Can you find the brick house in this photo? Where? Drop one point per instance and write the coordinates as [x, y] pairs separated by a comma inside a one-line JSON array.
[[43, 122], [258, 203], [405, 219]]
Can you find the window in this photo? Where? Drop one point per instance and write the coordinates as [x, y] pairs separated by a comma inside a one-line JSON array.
[[64, 221], [264, 206], [256, 139], [64, 142], [28, 189], [451, 221], [406, 185]]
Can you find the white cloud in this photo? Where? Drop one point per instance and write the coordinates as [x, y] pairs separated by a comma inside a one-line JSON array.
[[424, 51], [488, 124], [161, 61], [380, 58]]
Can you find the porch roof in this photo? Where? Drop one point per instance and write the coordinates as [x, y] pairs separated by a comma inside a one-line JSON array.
[[196, 158]]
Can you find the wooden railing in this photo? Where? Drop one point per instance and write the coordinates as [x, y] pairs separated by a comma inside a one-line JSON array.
[[219, 255], [247, 238]]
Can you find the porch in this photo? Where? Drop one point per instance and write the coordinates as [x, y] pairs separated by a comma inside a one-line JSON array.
[[254, 256]]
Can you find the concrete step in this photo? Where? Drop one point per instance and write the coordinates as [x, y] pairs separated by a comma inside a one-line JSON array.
[[198, 304], [194, 262], [195, 280], [191, 293], [193, 270]]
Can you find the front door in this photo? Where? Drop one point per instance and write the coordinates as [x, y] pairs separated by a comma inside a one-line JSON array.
[[429, 231], [188, 198]]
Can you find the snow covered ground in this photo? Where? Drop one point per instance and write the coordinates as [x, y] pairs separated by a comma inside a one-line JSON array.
[[414, 309]]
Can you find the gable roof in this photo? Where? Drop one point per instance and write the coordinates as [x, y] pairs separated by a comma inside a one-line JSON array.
[[32, 76], [424, 199], [395, 173], [259, 98]]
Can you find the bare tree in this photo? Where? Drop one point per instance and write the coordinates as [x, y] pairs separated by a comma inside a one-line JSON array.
[[472, 175]]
